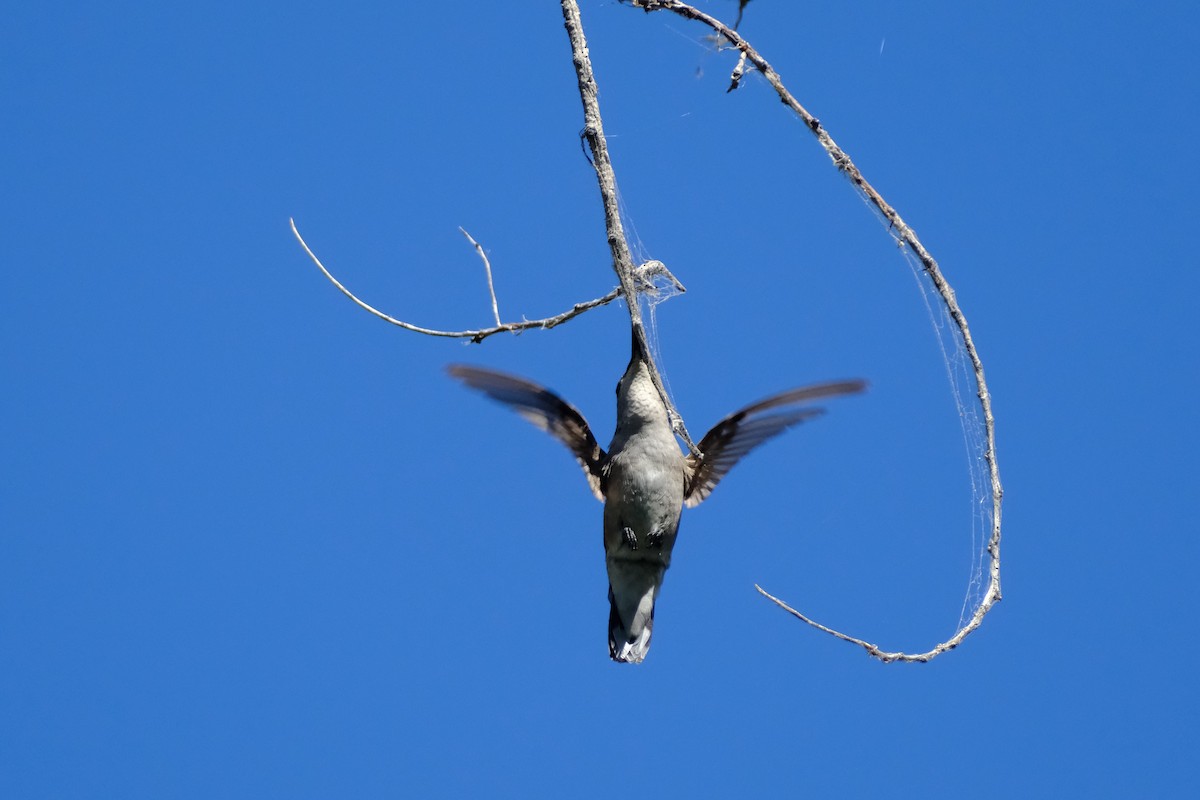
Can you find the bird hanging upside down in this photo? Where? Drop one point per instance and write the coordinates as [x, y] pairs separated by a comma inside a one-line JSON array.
[[644, 480]]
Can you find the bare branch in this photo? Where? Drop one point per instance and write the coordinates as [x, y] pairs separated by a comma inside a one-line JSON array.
[[906, 236], [622, 260], [487, 267], [475, 336]]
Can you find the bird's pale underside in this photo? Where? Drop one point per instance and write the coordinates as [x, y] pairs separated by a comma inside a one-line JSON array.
[[644, 480]]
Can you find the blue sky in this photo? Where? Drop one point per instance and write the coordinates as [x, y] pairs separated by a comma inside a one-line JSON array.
[[255, 543]]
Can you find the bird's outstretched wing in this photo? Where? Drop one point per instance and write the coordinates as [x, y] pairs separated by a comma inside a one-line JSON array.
[[742, 431], [544, 409]]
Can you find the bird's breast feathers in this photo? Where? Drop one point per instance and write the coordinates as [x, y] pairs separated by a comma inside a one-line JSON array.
[[644, 492]]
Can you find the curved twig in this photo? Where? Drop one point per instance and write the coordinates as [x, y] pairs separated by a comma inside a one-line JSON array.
[[475, 336], [906, 236]]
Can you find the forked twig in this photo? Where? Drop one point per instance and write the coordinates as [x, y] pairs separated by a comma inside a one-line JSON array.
[[906, 236], [474, 335]]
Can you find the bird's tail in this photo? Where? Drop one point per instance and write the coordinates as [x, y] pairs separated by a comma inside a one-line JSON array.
[[632, 590]]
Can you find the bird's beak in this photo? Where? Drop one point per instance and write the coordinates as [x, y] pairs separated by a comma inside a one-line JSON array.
[[639, 353]]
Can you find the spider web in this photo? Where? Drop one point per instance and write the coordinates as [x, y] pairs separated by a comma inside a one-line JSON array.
[[964, 388], [654, 290]]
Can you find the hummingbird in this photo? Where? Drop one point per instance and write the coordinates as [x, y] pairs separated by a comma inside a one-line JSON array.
[[644, 480]]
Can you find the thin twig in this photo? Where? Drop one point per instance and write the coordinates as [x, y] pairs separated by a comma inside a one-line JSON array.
[[741, 8], [475, 336], [904, 234], [487, 267], [622, 260]]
